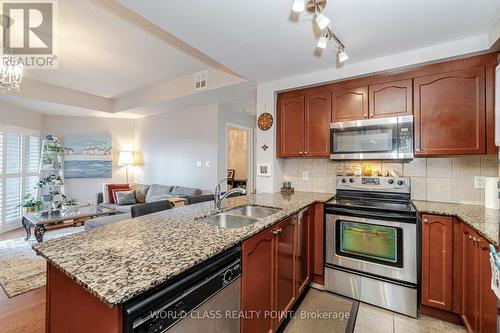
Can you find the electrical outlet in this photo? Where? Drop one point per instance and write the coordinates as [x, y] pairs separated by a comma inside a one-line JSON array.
[[479, 181], [305, 175], [198, 164], [207, 164]]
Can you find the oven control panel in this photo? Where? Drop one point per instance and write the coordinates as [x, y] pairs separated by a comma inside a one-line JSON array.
[[382, 184]]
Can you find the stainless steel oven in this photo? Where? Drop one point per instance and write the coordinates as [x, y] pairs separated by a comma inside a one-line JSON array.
[[372, 243], [375, 139]]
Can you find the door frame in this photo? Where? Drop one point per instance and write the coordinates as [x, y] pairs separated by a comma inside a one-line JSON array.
[[250, 151]]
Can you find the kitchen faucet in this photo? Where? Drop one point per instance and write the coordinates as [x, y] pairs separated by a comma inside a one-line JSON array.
[[219, 197]]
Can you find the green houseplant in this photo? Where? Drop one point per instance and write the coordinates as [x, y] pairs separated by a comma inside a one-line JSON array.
[[29, 203]]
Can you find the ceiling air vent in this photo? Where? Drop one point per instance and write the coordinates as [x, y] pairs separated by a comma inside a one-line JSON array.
[[201, 80]]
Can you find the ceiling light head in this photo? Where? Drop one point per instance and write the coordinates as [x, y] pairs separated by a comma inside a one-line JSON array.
[[298, 6], [322, 21], [342, 55], [322, 42]]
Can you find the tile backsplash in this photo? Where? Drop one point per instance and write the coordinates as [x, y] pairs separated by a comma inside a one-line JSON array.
[[449, 179]]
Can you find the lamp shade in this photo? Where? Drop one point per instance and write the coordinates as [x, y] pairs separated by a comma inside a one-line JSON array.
[[125, 158]]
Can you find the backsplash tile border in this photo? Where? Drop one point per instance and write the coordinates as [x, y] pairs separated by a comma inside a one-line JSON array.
[[451, 174]]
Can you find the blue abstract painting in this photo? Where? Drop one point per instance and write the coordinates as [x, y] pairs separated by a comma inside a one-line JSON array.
[[88, 157]]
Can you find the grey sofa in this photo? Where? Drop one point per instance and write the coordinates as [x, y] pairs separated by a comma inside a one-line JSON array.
[[154, 192]]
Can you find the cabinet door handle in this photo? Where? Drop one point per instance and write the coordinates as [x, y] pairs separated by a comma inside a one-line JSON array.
[[371, 114], [305, 152], [426, 221], [365, 115], [277, 231], [300, 152], [470, 237]]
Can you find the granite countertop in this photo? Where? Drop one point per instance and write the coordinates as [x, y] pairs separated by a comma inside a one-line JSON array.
[[485, 221], [120, 261]]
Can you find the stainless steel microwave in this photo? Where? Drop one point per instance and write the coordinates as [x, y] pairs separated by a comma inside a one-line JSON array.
[[372, 139]]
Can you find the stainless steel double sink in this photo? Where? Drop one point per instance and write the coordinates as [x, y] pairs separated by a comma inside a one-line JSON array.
[[240, 217]]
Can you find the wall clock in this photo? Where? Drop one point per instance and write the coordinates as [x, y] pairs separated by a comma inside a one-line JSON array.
[[265, 121]]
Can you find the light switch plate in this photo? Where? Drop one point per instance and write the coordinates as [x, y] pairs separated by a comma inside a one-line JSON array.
[[207, 164], [198, 164], [479, 181], [305, 175]]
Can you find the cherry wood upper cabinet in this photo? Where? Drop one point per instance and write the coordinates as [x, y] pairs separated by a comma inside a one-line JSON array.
[[285, 266], [291, 126], [350, 104], [317, 125], [437, 261], [303, 251], [391, 99], [257, 293], [450, 113]]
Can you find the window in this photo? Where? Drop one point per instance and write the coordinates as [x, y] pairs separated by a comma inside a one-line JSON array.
[[19, 154]]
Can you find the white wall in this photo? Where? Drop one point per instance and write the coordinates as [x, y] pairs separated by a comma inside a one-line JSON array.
[[266, 92], [15, 116], [122, 133], [172, 143]]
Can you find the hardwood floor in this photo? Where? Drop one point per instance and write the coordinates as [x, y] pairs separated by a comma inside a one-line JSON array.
[[23, 313]]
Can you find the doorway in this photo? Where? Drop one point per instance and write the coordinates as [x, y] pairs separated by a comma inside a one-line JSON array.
[[239, 142]]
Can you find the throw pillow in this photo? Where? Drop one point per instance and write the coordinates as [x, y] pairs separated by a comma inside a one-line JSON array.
[[111, 187], [115, 190], [141, 191], [125, 197]]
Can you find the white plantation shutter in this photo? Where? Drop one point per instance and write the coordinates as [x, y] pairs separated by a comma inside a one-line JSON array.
[[14, 150], [19, 156], [12, 199], [32, 153]]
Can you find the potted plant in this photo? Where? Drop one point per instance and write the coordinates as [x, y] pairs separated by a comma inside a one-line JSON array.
[[29, 204], [63, 202]]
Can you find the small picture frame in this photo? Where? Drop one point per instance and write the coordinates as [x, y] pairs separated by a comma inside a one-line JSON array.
[[230, 173], [264, 170]]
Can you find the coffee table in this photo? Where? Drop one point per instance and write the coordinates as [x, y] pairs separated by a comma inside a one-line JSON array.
[[69, 217]]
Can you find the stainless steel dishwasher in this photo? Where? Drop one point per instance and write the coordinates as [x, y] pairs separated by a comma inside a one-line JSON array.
[[204, 299]]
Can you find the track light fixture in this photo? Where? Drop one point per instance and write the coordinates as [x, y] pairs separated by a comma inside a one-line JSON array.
[[315, 8]]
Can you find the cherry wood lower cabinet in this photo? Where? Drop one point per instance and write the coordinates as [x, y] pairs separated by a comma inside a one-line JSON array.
[[303, 252], [437, 261], [456, 274], [257, 281], [276, 270], [70, 308]]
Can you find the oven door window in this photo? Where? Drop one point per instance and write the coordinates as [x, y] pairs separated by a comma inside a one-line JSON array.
[[370, 242], [368, 139]]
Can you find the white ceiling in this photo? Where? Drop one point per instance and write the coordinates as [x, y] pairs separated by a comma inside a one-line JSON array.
[[103, 52], [260, 40]]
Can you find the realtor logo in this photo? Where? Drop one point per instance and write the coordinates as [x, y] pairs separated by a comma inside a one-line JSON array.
[[28, 32], [29, 28]]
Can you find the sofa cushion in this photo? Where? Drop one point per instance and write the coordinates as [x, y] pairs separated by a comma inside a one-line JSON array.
[[123, 208], [157, 189], [125, 198], [159, 197], [104, 220], [185, 191], [117, 208], [141, 191]]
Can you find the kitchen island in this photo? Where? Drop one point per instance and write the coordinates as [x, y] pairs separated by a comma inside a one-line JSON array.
[[120, 261]]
